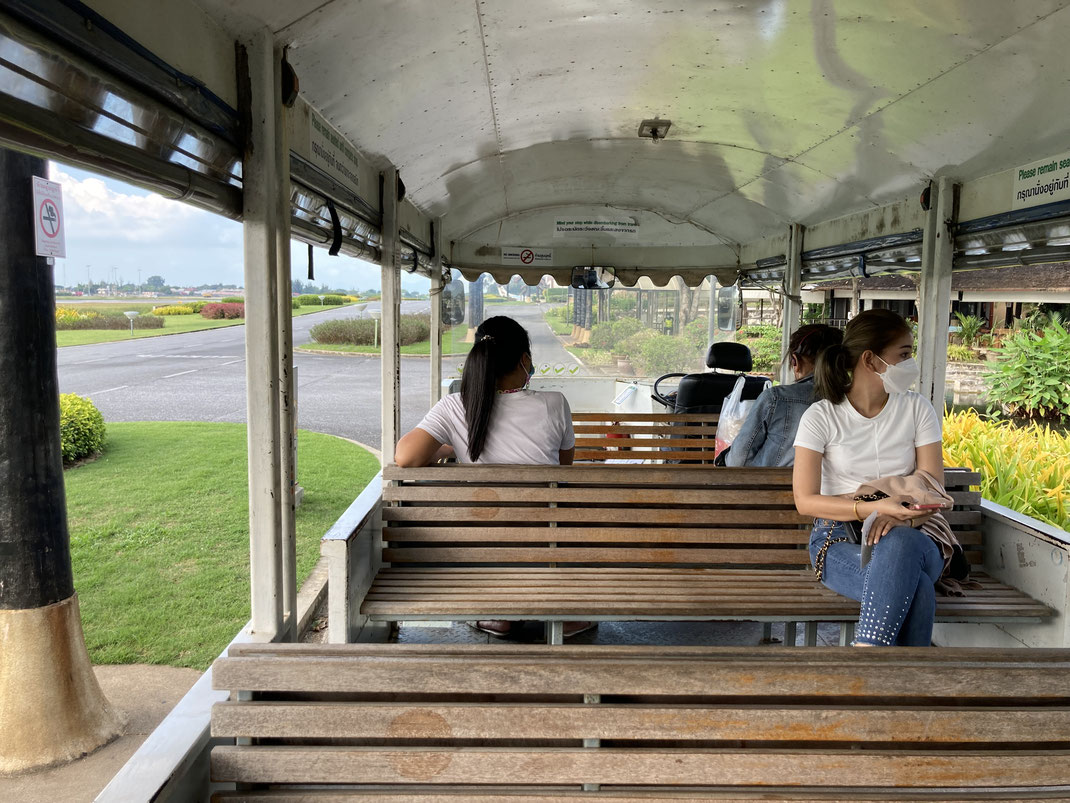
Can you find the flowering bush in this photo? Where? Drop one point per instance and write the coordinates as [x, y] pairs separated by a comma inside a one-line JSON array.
[[217, 312], [81, 427]]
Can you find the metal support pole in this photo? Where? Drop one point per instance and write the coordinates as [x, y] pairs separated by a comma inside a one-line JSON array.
[[711, 327], [436, 316], [936, 263], [287, 433], [792, 302], [260, 181], [391, 303]]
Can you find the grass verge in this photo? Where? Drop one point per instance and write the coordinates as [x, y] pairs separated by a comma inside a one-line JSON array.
[[172, 325], [452, 344], [159, 535]]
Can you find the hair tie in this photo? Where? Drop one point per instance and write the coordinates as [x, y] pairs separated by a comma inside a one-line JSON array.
[[486, 337]]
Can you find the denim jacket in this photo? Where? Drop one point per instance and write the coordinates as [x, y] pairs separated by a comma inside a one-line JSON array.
[[768, 434]]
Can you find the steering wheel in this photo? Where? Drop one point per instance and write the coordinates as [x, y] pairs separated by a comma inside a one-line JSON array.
[[657, 396]]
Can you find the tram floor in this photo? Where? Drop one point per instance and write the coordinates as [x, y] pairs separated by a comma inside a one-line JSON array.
[[658, 633]]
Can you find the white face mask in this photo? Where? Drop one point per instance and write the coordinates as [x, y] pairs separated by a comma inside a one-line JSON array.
[[900, 377]]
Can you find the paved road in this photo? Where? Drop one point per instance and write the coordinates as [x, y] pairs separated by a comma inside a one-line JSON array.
[[200, 376]]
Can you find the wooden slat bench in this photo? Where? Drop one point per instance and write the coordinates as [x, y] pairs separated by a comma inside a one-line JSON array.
[[625, 542], [525, 723], [644, 436]]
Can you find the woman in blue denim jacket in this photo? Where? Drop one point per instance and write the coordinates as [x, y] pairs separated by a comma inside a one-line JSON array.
[[768, 434]]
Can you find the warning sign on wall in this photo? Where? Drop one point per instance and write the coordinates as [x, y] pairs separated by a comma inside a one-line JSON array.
[[527, 257], [48, 218]]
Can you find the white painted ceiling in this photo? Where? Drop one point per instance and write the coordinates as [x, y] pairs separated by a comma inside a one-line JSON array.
[[782, 110]]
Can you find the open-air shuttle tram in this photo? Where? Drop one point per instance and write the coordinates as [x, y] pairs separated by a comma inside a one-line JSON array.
[[767, 142]]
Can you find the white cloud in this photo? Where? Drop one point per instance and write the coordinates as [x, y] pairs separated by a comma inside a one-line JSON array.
[[113, 226]]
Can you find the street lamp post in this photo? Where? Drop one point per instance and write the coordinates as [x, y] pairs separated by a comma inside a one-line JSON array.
[[376, 315]]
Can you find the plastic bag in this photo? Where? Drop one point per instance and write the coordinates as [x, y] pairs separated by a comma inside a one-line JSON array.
[[733, 413]]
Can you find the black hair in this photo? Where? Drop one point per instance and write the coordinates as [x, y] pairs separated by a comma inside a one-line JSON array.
[[500, 342], [809, 341], [872, 330]]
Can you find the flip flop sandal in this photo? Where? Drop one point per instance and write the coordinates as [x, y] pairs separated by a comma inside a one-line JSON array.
[[586, 626], [485, 626]]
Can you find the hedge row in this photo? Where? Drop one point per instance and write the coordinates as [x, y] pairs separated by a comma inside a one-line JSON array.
[[361, 331], [308, 300], [174, 309], [97, 321]]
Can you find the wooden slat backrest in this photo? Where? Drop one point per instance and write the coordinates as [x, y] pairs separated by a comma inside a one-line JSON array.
[[656, 515], [649, 436], [450, 716]]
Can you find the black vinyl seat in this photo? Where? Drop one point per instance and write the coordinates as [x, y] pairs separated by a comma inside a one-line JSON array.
[[706, 392]]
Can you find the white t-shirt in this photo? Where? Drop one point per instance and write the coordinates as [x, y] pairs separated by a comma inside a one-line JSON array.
[[857, 449], [525, 427]]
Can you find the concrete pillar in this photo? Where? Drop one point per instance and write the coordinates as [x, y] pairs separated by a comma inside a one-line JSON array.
[[792, 315], [287, 400], [51, 708], [261, 204], [391, 304], [936, 263]]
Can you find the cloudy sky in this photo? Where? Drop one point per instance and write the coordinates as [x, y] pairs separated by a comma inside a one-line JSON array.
[[112, 225]]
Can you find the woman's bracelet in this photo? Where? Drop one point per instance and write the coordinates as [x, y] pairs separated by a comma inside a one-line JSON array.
[[857, 517]]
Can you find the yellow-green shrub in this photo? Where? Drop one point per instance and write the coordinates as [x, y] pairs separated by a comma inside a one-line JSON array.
[[64, 314], [174, 309], [81, 427], [1025, 468]]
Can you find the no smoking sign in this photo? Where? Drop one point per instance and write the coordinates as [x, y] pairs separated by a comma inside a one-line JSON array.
[[48, 218]]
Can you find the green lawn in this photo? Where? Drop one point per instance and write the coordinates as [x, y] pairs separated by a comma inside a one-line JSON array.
[[159, 535], [172, 325], [452, 344]]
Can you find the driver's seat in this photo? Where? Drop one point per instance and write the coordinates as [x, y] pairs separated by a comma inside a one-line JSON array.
[[705, 393]]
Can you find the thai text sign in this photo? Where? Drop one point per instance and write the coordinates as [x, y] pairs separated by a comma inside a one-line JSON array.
[[1042, 182]]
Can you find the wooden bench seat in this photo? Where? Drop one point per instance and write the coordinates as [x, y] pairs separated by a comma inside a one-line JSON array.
[[521, 722], [645, 436], [625, 542]]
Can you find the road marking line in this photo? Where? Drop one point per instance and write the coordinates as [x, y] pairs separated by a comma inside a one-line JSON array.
[[86, 362], [230, 363], [109, 390], [180, 373]]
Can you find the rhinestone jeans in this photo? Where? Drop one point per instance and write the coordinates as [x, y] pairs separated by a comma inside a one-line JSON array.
[[896, 589]]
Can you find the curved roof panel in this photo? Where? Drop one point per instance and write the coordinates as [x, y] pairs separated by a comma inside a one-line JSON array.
[[781, 110]]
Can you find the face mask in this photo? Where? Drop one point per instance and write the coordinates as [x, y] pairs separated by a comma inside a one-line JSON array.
[[899, 377]]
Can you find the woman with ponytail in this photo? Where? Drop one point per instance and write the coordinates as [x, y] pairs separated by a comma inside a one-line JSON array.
[[769, 430], [867, 425], [496, 419]]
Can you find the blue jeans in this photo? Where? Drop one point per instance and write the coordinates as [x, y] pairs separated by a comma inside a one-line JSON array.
[[896, 589]]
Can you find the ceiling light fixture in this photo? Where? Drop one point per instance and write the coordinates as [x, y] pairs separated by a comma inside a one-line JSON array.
[[655, 129]]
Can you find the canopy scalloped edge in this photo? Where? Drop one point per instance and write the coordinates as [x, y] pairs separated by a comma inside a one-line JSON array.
[[628, 277]]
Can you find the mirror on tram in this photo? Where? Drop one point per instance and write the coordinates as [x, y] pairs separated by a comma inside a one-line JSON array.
[[453, 303], [727, 303], [592, 278]]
